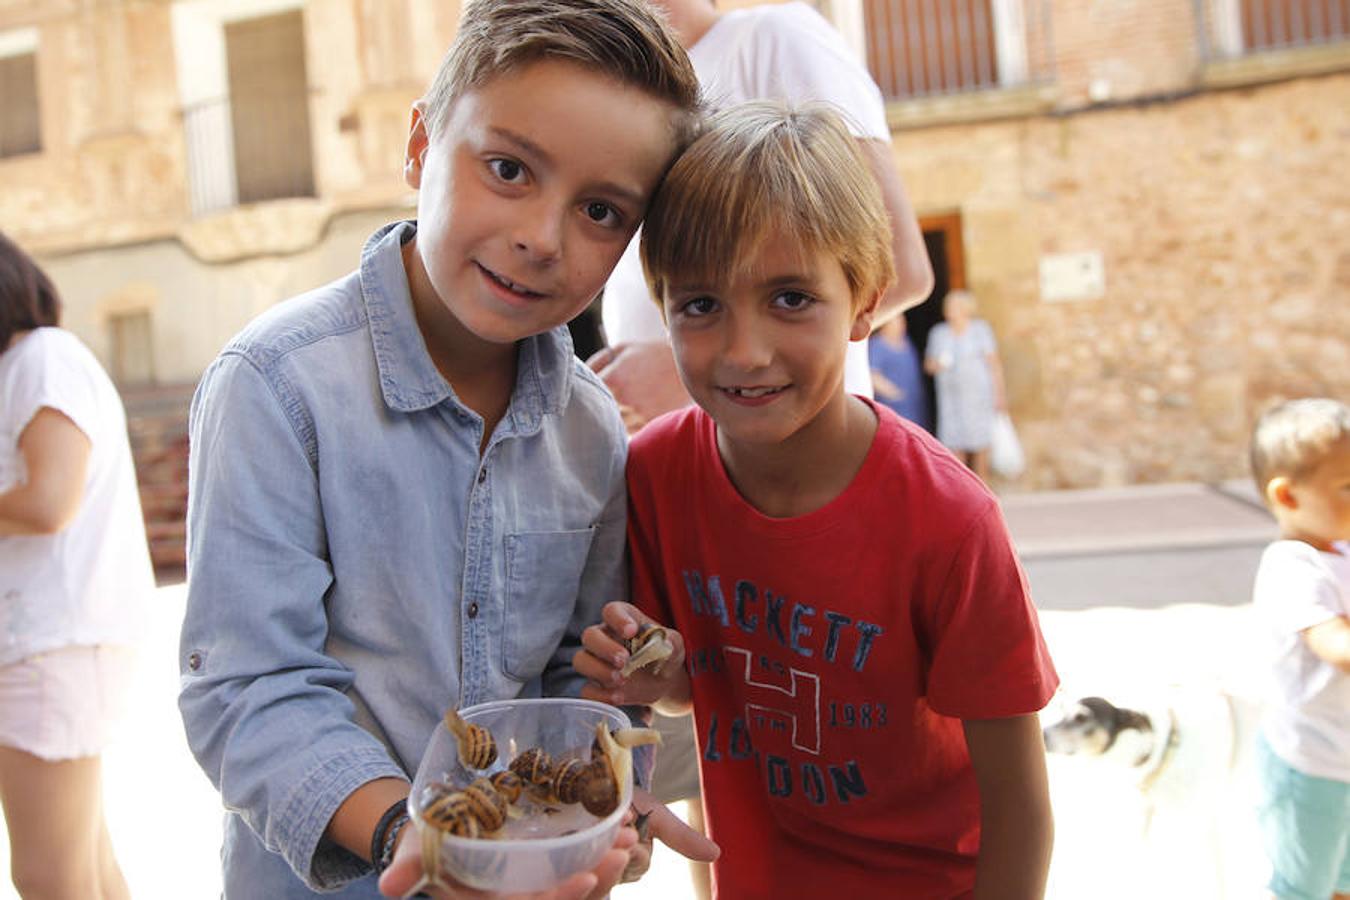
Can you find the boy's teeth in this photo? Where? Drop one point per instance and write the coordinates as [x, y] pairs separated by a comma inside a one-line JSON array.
[[755, 392], [506, 282]]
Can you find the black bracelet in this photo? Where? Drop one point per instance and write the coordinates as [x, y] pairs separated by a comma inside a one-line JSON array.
[[380, 844]]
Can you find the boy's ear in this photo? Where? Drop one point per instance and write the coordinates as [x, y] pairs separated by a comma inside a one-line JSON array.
[[1280, 493], [862, 319], [418, 141]]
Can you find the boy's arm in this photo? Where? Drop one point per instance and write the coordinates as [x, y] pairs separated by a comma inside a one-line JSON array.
[[913, 270], [1016, 826], [1331, 642], [265, 708]]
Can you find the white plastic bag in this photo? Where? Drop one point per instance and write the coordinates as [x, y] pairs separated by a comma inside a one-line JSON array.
[[1005, 450]]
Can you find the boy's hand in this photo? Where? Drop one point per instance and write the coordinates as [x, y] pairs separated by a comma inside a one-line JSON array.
[[603, 656], [405, 872], [653, 820]]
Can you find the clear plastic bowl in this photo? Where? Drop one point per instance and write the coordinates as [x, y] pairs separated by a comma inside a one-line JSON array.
[[535, 852]]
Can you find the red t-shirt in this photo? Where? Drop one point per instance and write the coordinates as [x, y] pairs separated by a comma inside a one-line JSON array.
[[833, 656]]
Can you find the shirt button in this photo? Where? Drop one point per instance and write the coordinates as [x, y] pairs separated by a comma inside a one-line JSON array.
[[194, 661], [482, 475], [473, 610]]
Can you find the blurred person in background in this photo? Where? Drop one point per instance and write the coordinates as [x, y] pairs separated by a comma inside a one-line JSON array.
[[75, 576], [963, 358], [897, 373]]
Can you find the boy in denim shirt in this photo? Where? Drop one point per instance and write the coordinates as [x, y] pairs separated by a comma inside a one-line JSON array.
[[406, 493]]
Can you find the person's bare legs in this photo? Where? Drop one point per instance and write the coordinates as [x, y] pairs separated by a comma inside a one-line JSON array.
[[58, 839]]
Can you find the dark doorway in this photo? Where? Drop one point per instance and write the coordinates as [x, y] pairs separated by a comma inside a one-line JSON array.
[[942, 239]]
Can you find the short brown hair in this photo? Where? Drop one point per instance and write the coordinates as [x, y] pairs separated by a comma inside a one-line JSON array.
[[767, 168], [27, 297], [1290, 439], [623, 39]]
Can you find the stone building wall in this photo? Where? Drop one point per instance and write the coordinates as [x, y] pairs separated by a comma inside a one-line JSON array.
[[1221, 219]]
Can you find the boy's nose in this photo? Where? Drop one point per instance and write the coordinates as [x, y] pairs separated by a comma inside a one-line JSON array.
[[539, 234], [746, 346]]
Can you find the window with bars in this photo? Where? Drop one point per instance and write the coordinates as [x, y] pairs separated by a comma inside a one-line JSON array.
[[1279, 24], [935, 48], [922, 47], [20, 121]]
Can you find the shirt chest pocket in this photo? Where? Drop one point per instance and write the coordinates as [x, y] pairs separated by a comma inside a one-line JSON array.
[[543, 575]]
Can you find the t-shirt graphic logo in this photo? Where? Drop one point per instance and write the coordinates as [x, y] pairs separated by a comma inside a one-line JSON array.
[[796, 703]]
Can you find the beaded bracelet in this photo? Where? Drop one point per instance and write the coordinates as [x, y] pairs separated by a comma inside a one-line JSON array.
[[386, 835]]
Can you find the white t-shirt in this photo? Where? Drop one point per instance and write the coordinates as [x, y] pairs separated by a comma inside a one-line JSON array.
[[89, 583], [1307, 718], [779, 52]]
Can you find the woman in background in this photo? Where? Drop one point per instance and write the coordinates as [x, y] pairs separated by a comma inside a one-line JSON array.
[[75, 576], [897, 375], [963, 358]]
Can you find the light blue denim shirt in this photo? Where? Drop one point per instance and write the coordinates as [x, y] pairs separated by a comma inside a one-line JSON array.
[[355, 567]]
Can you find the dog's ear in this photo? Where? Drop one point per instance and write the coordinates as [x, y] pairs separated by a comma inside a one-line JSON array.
[[1102, 710]]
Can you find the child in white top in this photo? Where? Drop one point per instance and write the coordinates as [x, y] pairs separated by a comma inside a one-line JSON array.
[[76, 581], [1301, 459]]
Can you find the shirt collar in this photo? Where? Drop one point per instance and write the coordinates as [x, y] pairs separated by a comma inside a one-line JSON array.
[[410, 381]]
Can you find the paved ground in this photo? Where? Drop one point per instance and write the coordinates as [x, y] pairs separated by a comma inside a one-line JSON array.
[[1143, 593]]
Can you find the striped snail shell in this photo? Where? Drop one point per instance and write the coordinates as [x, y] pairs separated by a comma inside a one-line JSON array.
[[599, 792], [567, 779], [486, 805], [534, 766], [477, 749], [449, 810], [508, 784]]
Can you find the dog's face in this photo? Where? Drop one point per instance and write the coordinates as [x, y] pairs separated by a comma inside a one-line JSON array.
[[1087, 728]]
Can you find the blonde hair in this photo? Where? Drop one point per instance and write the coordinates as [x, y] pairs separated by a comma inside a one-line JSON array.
[[623, 39], [1292, 438], [767, 169]]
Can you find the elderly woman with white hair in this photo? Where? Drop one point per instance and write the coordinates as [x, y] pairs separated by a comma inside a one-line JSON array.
[[962, 356]]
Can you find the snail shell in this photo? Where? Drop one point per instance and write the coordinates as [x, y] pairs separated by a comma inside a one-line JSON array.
[[486, 805], [477, 749], [649, 647], [508, 784], [599, 792], [567, 780], [534, 766], [449, 810]]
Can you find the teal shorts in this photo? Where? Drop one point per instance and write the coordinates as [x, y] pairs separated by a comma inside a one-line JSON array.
[[1305, 822]]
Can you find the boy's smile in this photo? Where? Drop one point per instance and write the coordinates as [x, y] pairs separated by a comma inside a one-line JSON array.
[[527, 195], [763, 350]]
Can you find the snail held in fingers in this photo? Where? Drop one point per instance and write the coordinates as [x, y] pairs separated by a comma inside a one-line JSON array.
[[651, 646], [477, 749]]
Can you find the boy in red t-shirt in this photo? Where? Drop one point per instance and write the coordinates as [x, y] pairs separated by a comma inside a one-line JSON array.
[[854, 633]]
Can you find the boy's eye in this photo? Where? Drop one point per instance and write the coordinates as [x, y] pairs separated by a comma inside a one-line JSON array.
[[603, 214], [699, 306], [792, 300], [506, 169]]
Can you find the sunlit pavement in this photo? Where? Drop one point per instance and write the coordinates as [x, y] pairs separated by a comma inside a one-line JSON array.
[[165, 817]]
